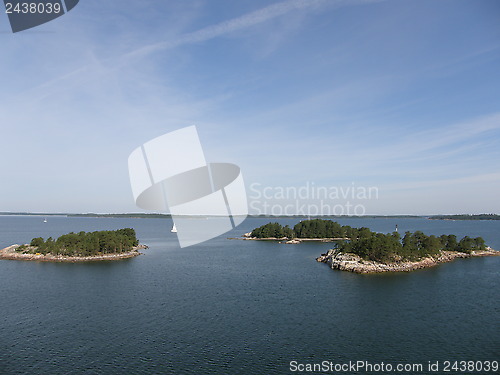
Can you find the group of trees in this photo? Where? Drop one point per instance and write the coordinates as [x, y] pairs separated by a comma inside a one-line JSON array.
[[273, 230], [391, 247], [370, 245], [316, 228], [85, 244], [320, 228]]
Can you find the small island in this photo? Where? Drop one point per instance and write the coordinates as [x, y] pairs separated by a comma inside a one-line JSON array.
[[360, 250], [306, 230], [78, 247]]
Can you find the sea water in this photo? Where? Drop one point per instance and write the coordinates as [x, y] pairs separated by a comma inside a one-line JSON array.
[[239, 307]]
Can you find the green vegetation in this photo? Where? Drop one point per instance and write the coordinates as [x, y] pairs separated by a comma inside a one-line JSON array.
[[391, 247], [273, 230], [467, 217], [84, 244], [316, 228], [370, 245]]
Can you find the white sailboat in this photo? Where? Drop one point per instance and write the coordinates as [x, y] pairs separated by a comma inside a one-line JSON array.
[[174, 229], [45, 220]]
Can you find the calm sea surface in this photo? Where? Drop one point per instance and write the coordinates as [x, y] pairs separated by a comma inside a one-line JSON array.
[[238, 307]]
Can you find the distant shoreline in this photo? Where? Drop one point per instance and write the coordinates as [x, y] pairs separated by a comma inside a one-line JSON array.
[[465, 217], [142, 215], [92, 215], [9, 253]]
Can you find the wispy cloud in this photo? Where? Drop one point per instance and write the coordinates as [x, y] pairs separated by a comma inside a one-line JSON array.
[[451, 182], [248, 20], [229, 26], [204, 34], [453, 134]]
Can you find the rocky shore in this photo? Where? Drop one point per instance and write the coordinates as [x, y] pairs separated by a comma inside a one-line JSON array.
[[11, 254], [353, 263]]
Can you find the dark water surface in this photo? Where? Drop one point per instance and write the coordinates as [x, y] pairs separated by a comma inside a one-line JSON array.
[[238, 307]]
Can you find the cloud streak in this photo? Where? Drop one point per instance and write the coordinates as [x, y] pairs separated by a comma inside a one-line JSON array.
[[210, 32], [248, 20]]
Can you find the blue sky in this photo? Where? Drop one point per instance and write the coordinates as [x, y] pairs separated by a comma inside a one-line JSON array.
[[402, 95]]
